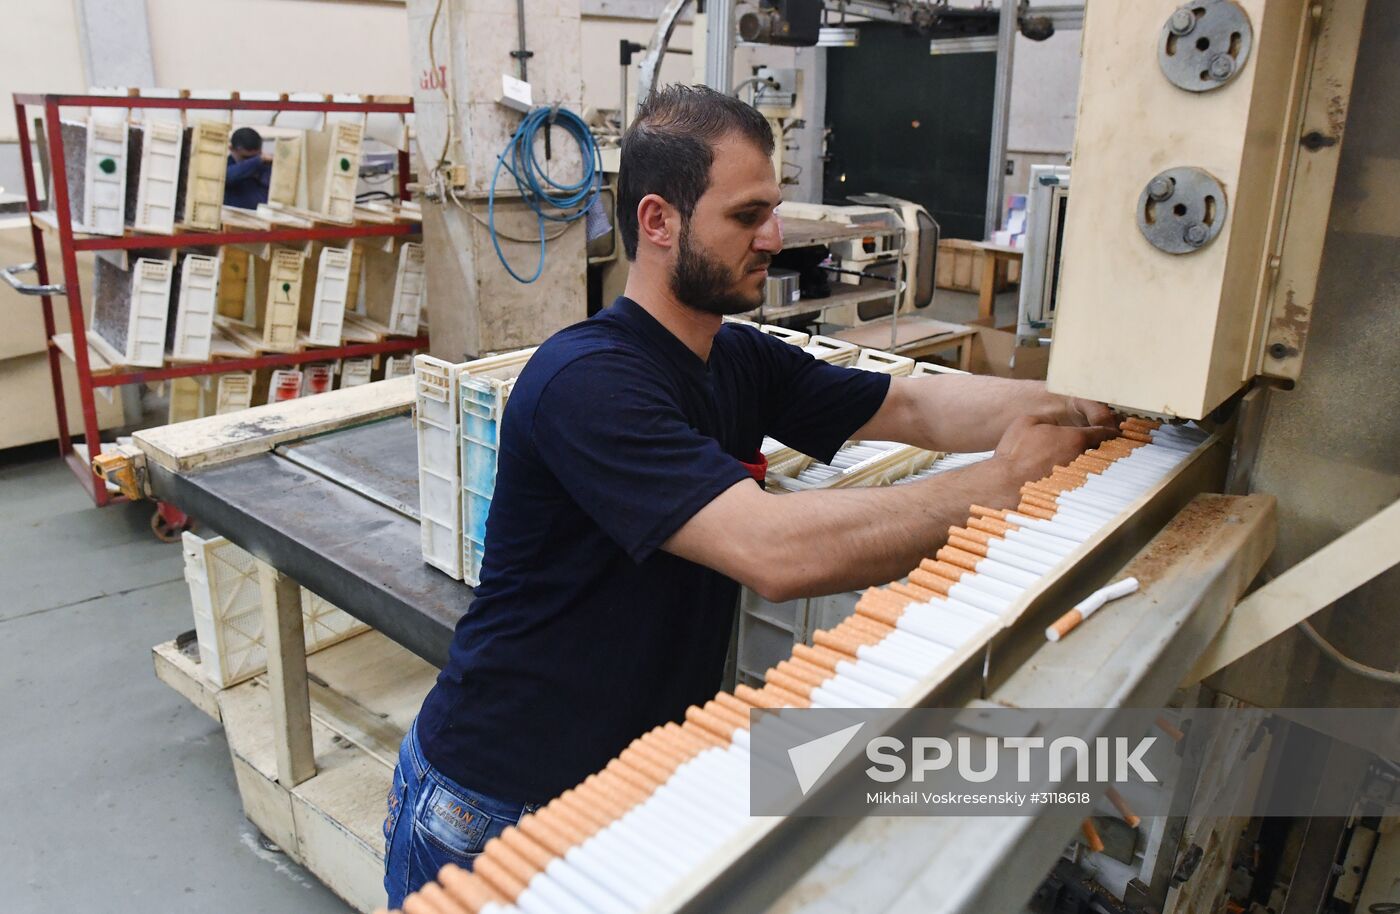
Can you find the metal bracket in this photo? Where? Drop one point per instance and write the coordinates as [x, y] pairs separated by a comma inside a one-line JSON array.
[[124, 467], [10, 275], [1204, 44], [1182, 210]]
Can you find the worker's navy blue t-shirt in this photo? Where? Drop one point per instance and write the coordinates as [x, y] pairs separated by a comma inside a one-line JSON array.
[[584, 634]]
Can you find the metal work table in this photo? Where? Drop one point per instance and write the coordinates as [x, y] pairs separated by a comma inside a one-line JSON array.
[[338, 513]]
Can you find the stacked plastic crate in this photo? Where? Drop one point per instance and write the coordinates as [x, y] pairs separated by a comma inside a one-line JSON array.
[[227, 593]]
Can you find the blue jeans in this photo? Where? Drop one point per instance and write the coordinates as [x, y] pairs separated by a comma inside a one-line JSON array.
[[433, 821]]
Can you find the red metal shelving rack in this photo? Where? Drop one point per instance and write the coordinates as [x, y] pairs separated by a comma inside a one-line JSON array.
[[69, 246]]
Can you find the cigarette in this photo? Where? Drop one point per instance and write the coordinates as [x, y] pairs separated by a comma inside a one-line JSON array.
[[1124, 810], [470, 891], [1170, 729], [1091, 836], [1088, 606]]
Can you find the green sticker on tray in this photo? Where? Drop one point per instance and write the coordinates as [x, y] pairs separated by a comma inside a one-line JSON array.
[[344, 164], [286, 287], [107, 165]]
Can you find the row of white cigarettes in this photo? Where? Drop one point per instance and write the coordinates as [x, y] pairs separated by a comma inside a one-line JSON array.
[[628, 835]]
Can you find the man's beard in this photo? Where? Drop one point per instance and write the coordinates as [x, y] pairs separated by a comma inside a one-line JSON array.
[[705, 284]]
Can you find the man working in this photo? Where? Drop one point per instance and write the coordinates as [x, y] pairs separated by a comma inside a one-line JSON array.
[[626, 509], [249, 171]]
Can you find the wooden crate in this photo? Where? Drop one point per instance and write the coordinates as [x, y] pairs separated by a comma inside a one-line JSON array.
[[960, 267]]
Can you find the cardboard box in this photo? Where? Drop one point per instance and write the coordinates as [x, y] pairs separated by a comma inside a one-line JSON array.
[[994, 352], [26, 402]]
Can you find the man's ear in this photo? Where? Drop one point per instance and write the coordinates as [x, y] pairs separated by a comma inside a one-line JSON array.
[[657, 221]]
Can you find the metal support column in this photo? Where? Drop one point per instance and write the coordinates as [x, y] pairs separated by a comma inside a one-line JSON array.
[[719, 45], [1001, 113]]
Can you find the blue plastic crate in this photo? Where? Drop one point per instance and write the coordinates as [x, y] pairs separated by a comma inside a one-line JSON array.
[[483, 402]]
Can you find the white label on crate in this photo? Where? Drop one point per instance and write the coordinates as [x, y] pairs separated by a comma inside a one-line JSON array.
[[104, 182], [194, 313], [328, 304], [159, 182], [409, 286], [150, 309]]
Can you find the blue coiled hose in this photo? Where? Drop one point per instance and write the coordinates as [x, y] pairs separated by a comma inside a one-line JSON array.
[[567, 202]]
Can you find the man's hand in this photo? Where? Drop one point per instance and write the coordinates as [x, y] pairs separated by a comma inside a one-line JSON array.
[[1031, 448], [1088, 412]]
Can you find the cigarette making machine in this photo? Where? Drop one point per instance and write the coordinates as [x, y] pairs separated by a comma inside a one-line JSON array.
[[1228, 217]]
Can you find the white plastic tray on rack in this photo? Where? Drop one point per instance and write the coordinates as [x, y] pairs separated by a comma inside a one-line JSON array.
[[195, 306], [227, 595]]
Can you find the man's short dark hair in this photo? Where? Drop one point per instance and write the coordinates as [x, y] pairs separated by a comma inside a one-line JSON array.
[[669, 148], [247, 139]]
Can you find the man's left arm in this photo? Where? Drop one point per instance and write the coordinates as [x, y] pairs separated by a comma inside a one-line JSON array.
[[966, 413]]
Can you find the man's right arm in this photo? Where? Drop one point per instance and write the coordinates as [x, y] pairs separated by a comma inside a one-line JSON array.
[[812, 543]]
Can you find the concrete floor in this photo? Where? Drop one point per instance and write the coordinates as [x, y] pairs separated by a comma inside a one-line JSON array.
[[117, 794]]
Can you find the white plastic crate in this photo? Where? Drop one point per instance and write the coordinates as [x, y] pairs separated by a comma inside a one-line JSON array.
[[328, 301], [439, 489], [204, 181], [284, 385], [235, 392], [159, 182], [324, 624], [793, 337], [104, 177], [928, 369], [317, 379], [194, 312], [186, 397], [227, 596], [483, 404], [409, 287], [483, 388], [286, 185], [396, 366], [334, 177], [830, 349], [150, 310], [883, 362], [227, 601], [354, 372], [284, 271]]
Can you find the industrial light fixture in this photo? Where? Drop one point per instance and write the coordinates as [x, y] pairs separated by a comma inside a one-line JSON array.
[[975, 44], [838, 36]]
